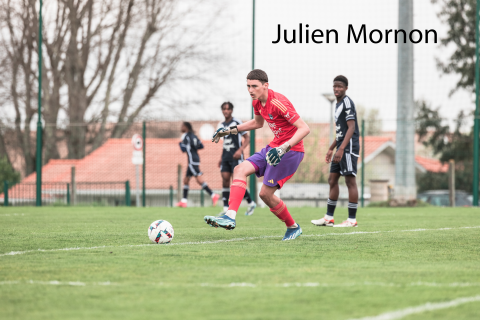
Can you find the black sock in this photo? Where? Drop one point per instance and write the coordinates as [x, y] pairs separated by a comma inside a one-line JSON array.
[[331, 205], [206, 188], [247, 197], [185, 191], [352, 210], [226, 196]]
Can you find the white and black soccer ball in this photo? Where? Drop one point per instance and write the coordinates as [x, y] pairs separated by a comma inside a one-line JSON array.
[[160, 232]]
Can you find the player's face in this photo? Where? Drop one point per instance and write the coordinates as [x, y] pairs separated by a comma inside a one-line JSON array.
[[339, 88], [183, 128], [257, 89], [227, 112]]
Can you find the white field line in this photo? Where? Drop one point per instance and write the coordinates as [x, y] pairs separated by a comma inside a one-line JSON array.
[[429, 306], [58, 283], [382, 284], [249, 285], [13, 253], [12, 214]]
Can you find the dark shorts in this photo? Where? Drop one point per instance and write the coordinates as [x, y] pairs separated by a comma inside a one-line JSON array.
[[193, 171], [228, 166], [276, 176], [347, 166]]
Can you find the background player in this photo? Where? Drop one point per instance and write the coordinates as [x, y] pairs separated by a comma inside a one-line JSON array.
[[191, 144], [277, 162], [345, 159], [232, 155]]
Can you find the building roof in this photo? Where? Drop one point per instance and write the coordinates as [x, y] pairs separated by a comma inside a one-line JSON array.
[[112, 162], [432, 165]]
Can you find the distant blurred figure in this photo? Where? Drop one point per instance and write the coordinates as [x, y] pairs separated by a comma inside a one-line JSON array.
[[191, 144]]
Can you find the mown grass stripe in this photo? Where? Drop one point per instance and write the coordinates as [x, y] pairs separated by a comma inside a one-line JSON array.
[[13, 253]]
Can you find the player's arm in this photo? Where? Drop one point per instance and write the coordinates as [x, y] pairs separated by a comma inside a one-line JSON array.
[[274, 155], [350, 131], [183, 144], [328, 157], [302, 131], [245, 142], [255, 123]]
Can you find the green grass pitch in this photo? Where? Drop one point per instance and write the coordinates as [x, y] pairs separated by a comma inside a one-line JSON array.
[[396, 259]]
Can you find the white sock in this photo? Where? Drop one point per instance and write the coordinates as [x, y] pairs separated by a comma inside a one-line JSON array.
[[231, 214], [327, 217], [225, 209], [251, 203], [183, 200], [293, 226], [352, 220]]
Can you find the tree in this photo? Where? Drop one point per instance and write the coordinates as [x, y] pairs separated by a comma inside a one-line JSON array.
[[373, 122], [7, 174], [104, 61], [435, 132], [459, 16]]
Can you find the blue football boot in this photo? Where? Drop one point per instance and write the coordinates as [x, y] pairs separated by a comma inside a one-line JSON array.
[[223, 222], [292, 233]]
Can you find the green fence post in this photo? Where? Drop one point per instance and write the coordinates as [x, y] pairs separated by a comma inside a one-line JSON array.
[[202, 198], [144, 137], [476, 127], [362, 200], [38, 162], [253, 179], [68, 193], [171, 196], [128, 199], [5, 193]]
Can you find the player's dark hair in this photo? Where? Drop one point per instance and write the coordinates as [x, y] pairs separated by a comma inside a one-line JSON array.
[[259, 75], [228, 103], [341, 79], [188, 125]]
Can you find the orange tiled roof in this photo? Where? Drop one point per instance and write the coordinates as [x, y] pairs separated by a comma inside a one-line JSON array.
[[432, 165], [112, 162]]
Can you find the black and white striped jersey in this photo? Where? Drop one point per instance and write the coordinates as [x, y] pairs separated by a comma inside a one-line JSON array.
[[345, 111], [232, 142], [191, 144]]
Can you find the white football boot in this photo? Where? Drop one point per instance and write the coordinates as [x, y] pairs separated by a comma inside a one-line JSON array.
[[325, 221], [346, 224]]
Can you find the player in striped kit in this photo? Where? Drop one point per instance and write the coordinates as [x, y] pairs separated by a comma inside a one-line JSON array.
[[232, 156], [344, 162]]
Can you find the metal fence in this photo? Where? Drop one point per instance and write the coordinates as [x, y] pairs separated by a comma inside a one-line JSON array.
[[105, 175]]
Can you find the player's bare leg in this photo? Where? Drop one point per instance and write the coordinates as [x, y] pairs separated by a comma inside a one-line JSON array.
[[327, 220], [237, 192], [207, 189], [186, 187], [351, 183]]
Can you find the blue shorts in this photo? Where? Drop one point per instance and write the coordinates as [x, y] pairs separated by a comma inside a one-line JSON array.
[[276, 176]]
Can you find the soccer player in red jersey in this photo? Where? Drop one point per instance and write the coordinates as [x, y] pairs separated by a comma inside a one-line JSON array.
[[277, 162]]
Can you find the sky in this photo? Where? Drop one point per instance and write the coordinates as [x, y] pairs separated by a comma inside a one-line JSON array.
[[302, 72]]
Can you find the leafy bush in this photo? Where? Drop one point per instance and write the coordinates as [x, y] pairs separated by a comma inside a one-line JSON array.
[[7, 173]]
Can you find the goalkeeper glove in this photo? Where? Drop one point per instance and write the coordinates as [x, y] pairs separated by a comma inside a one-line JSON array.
[[274, 155], [222, 132]]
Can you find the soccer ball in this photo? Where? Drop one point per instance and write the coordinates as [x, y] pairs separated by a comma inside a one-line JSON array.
[[160, 232]]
